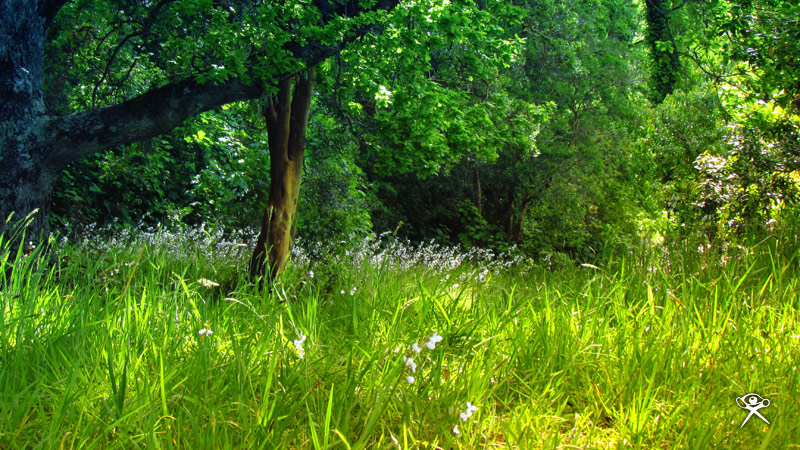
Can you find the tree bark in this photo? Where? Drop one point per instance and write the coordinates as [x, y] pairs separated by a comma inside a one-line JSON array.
[[286, 115], [25, 184]]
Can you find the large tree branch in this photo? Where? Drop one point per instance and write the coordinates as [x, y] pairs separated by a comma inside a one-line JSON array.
[[71, 137], [146, 116]]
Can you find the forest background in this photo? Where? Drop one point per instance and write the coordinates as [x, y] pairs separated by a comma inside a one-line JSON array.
[[559, 129]]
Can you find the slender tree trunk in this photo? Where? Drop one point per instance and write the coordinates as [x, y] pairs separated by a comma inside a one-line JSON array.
[[478, 193], [286, 115], [666, 64]]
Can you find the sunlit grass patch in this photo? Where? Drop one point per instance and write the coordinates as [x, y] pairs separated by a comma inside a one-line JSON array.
[[143, 342]]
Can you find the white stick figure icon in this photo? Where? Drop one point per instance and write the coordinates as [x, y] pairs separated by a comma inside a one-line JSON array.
[[752, 402]]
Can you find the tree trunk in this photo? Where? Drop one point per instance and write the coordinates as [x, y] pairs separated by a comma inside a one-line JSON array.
[[25, 185], [666, 64], [478, 193], [28, 198], [286, 115], [512, 216]]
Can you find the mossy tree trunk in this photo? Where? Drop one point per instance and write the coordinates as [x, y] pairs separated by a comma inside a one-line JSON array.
[[666, 64], [286, 115]]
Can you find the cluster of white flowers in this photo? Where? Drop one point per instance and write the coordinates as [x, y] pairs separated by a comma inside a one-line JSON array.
[[468, 412], [352, 291], [482, 276], [416, 348], [180, 242], [381, 251], [465, 415], [390, 252]]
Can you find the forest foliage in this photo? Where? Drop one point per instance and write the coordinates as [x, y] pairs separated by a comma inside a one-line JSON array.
[[551, 127]]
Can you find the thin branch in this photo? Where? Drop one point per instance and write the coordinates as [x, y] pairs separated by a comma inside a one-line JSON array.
[[675, 8], [110, 62], [696, 59]]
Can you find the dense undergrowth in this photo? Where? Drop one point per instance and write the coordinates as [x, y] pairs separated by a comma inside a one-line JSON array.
[[158, 340]]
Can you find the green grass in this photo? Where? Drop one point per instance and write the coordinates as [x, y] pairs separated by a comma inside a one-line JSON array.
[[649, 350]]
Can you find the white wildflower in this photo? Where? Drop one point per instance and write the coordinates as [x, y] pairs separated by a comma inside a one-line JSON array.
[[298, 345], [416, 348], [468, 412], [410, 379], [410, 363], [456, 430], [433, 340], [207, 283], [205, 331]]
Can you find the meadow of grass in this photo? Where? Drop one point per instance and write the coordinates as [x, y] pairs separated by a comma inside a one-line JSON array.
[[158, 340]]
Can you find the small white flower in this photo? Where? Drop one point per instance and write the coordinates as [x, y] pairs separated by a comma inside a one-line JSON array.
[[353, 291], [298, 345], [310, 274], [342, 292], [456, 430], [410, 379], [416, 348], [207, 283], [205, 331], [433, 340], [410, 363]]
